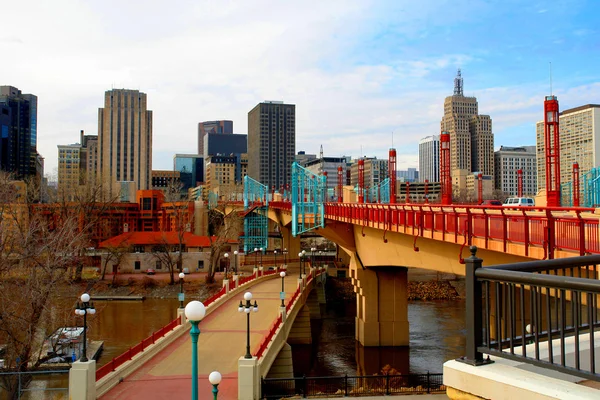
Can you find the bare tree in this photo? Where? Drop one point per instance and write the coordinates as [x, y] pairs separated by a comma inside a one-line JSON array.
[[38, 251], [113, 254], [224, 224]]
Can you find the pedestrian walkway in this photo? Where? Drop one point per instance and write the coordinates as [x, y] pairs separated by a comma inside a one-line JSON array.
[[221, 343]]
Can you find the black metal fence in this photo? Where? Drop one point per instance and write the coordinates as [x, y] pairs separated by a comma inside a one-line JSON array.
[[344, 386], [540, 312], [47, 385]]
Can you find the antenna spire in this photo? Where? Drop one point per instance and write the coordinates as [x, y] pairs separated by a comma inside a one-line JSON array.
[[550, 78], [458, 84]]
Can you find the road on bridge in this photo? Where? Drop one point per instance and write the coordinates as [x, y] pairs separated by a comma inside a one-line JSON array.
[[221, 343]]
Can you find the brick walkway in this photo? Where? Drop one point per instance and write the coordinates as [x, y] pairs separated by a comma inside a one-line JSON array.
[[221, 343]]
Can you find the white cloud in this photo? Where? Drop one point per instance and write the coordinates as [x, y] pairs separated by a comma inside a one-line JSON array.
[[205, 60]]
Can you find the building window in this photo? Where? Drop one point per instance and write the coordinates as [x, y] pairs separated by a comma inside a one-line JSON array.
[[138, 265]]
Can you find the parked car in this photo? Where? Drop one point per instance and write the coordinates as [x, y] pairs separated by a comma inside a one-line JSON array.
[[150, 271], [491, 203], [519, 202], [186, 271]]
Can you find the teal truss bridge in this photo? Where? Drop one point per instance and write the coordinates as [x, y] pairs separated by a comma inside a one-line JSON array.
[[589, 191], [256, 222], [308, 197]]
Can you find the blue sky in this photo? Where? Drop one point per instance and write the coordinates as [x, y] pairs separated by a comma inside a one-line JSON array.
[[356, 70]]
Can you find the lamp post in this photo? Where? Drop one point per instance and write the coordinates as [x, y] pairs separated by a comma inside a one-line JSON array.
[[261, 253], [301, 263], [195, 311], [255, 255], [304, 262], [235, 253], [226, 255], [83, 309], [181, 295], [275, 254], [285, 257], [215, 378], [247, 308], [282, 275], [312, 256]]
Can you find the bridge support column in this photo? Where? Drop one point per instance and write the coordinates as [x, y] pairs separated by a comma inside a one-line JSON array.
[[291, 243], [82, 380], [226, 285], [248, 379], [382, 305]]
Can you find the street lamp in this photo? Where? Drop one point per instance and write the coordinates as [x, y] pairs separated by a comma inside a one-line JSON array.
[[285, 257], [312, 257], [300, 255], [275, 254], [255, 255], [261, 253], [181, 295], [320, 258], [246, 308], [195, 311], [226, 255], [282, 275], [83, 309], [215, 378], [235, 253]]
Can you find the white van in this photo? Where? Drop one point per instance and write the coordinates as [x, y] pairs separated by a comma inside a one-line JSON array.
[[519, 202]]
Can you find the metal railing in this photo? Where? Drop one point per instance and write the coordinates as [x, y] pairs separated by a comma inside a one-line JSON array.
[[351, 386], [138, 348], [543, 313], [38, 384]]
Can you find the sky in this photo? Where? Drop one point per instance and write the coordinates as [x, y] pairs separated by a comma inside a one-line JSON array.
[[364, 75]]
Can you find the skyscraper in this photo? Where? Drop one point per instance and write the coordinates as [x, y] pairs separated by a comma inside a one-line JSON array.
[[18, 133], [215, 127], [271, 143], [508, 161], [125, 140], [429, 159], [77, 167], [471, 137], [579, 142]]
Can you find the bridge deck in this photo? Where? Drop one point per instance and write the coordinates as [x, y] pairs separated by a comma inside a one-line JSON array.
[[221, 342]]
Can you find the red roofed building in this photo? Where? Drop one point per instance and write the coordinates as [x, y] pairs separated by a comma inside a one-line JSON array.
[[142, 249]]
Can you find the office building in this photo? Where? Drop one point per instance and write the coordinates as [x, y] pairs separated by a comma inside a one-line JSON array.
[[190, 168], [220, 174], [429, 159], [125, 140], [579, 142], [508, 161], [471, 137], [224, 144], [271, 143], [165, 180], [374, 173], [18, 133], [303, 159], [329, 165], [212, 127], [410, 175]]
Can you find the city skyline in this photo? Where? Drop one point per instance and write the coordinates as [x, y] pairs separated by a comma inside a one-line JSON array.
[[352, 87]]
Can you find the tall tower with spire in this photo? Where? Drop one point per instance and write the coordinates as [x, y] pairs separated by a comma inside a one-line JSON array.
[[471, 138]]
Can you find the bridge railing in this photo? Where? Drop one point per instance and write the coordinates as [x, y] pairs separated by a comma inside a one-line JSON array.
[[277, 324], [548, 228], [134, 350], [543, 313]]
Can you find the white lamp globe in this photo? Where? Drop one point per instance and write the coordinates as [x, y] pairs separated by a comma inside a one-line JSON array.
[[214, 378], [282, 274], [300, 254], [247, 310], [92, 311], [247, 296], [85, 297], [77, 311], [195, 310], [236, 252], [261, 249], [255, 249], [226, 255], [181, 275]]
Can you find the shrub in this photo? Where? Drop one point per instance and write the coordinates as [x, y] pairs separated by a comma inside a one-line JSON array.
[[148, 282]]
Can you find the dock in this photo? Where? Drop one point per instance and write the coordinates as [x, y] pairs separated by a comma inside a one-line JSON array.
[[118, 298]]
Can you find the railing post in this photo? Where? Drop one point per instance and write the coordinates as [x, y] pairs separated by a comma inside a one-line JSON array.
[[387, 383], [474, 312], [428, 383], [346, 385], [304, 386]]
